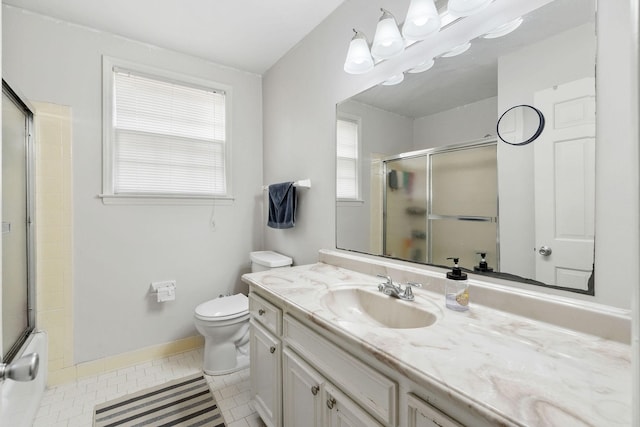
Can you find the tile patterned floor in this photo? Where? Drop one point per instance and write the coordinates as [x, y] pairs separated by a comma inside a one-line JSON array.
[[71, 405]]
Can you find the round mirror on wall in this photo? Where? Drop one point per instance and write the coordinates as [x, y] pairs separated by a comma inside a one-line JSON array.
[[520, 125]]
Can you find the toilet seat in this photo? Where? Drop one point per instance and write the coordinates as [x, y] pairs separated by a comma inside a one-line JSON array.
[[224, 308]]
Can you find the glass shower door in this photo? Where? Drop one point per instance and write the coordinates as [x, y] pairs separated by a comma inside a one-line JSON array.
[[17, 318]]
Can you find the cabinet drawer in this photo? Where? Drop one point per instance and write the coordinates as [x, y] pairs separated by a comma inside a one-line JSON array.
[[266, 313], [373, 391], [422, 414]]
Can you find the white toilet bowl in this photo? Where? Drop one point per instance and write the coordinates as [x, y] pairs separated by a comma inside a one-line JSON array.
[[224, 323]]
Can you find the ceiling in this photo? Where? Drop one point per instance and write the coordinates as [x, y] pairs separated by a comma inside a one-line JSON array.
[[249, 35]]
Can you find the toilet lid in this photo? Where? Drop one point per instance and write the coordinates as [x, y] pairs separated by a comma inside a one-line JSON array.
[[232, 306]]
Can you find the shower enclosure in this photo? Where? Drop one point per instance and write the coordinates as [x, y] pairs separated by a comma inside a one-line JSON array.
[[441, 203], [18, 316], [22, 383]]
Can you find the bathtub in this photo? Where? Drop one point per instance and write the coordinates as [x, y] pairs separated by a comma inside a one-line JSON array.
[[20, 400]]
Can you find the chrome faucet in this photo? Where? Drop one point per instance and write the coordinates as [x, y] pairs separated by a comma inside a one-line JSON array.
[[388, 288]]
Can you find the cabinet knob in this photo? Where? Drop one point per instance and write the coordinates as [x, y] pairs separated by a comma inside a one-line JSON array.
[[330, 402], [272, 349], [315, 389], [261, 312]]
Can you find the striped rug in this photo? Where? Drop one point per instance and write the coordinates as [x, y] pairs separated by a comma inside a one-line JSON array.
[[184, 402]]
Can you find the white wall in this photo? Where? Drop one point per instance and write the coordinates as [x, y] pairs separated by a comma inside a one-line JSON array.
[[301, 90], [119, 250], [463, 124], [382, 133], [559, 59]]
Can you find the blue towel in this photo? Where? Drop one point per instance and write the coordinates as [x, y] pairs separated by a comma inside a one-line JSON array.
[[282, 205]]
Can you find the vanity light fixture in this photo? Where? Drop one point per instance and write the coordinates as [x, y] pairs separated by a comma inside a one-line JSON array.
[[466, 7], [422, 20], [423, 66], [359, 58], [504, 29], [387, 41], [461, 48], [394, 80]]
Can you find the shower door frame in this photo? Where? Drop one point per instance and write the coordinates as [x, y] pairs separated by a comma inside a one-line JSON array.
[[6, 356], [426, 153]]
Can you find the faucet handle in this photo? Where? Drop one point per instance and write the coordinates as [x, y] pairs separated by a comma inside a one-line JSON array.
[[408, 293], [388, 278]]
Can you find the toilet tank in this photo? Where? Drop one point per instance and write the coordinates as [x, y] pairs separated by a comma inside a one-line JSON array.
[[267, 260]]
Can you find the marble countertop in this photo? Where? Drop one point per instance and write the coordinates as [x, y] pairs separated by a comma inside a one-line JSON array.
[[515, 370]]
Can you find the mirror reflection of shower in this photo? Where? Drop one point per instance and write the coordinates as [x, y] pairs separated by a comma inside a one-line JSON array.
[[442, 202]]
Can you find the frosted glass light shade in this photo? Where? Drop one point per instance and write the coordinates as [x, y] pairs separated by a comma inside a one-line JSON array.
[[467, 7], [387, 42], [422, 20], [503, 29], [358, 56]]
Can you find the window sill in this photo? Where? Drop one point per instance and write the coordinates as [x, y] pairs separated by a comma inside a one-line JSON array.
[[139, 199], [349, 203]]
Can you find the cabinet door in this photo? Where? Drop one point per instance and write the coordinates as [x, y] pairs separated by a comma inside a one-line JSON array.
[[341, 411], [266, 375], [302, 393], [421, 414]]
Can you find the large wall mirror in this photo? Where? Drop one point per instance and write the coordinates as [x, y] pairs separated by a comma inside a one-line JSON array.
[[422, 175]]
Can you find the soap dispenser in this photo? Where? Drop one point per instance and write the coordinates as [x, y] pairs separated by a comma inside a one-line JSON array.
[[457, 288], [483, 266]]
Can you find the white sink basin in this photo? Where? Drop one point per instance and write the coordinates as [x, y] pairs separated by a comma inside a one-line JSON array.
[[360, 305]]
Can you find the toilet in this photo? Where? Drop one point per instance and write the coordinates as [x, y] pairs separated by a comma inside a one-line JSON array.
[[224, 322]]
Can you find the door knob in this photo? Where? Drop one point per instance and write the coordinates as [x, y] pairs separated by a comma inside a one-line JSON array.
[[23, 369], [544, 250], [315, 389], [272, 349]]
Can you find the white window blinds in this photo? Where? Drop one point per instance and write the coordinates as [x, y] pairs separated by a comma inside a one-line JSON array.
[[347, 159], [168, 138]]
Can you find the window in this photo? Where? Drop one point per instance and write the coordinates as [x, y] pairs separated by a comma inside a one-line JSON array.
[[165, 135], [347, 137]]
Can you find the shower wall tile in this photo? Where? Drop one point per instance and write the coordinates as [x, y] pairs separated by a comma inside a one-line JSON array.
[[54, 280]]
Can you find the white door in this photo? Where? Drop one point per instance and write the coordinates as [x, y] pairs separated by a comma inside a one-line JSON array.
[[564, 158], [266, 374], [302, 395]]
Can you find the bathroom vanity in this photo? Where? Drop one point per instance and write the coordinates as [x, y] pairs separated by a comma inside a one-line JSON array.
[[329, 349]]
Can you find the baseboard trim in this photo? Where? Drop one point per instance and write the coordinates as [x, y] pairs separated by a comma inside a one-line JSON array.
[[123, 360]]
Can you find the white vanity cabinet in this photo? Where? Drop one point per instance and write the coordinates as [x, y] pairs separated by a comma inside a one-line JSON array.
[[299, 377], [344, 375], [310, 400], [266, 360]]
